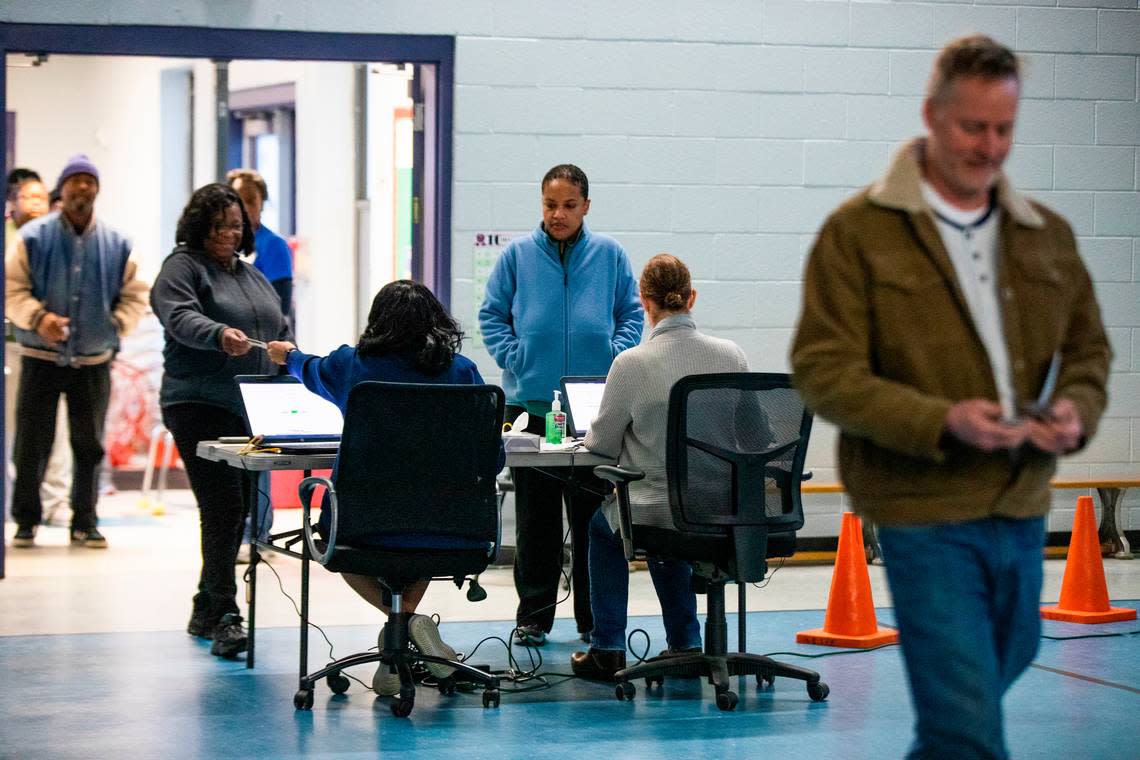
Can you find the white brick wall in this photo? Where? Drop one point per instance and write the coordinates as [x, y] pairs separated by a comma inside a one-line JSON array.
[[725, 131]]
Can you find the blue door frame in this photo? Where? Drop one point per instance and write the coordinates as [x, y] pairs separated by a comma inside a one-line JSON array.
[[258, 44]]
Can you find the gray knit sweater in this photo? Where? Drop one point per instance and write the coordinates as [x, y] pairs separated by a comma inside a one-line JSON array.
[[631, 422]]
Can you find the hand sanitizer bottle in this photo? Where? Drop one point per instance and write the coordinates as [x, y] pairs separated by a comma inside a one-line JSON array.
[[556, 420]]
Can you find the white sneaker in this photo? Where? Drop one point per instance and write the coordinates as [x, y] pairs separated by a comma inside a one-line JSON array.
[[424, 633], [384, 682], [243, 555]]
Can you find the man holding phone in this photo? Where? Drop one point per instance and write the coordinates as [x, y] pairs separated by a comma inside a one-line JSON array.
[[938, 304]]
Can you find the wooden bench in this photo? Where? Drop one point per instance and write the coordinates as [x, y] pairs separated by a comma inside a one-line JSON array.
[[1111, 490]]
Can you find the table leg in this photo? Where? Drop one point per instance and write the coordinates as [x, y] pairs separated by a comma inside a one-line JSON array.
[[304, 606], [871, 543], [251, 573], [1112, 538]]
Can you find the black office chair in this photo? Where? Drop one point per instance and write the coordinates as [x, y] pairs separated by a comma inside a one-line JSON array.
[[735, 452], [417, 466]]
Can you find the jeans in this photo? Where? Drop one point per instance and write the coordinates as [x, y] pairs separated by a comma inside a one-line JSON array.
[[88, 390], [264, 510], [966, 599], [609, 592], [221, 493]]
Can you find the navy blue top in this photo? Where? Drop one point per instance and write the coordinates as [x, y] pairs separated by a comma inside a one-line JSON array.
[[332, 377]]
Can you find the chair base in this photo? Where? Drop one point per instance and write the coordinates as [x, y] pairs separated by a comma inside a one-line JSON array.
[[401, 704], [397, 654], [718, 669]]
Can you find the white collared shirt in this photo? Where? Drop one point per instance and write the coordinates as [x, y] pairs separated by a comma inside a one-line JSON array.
[[971, 239]]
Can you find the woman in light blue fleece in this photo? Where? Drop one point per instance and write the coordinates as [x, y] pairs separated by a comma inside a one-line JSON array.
[[560, 301]]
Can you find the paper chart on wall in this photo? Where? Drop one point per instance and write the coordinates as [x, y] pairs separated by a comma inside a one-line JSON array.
[[487, 247]]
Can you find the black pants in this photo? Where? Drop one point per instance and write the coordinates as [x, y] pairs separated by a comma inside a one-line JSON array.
[[222, 497], [539, 502], [88, 389]]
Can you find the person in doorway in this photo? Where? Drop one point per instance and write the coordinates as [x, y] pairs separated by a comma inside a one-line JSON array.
[[560, 301], [210, 303], [410, 338], [72, 292], [274, 259], [631, 426], [951, 332]]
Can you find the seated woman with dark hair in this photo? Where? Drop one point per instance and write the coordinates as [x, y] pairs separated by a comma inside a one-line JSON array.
[[410, 338]]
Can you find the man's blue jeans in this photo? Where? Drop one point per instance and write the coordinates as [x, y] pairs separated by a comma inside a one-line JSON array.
[[966, 599], [609, 592]]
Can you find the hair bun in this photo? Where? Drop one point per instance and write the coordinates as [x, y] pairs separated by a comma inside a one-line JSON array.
[[674, 300]]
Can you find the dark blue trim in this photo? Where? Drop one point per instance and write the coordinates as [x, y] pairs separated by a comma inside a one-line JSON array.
[[263, 44], [235, 147]]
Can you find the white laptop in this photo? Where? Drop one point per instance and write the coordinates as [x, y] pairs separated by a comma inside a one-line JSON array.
[[288, 415], [581, 398]]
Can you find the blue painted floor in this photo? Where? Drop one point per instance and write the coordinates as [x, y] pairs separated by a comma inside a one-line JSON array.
[[161, 695]]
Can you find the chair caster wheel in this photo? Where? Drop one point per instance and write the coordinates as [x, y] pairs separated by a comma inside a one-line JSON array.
[[303, 699], [650, 680], [447, 685], [491, 698], [818, 691], [625, 691], [401, 707], [765, 681], [338, 683], [727, 700]]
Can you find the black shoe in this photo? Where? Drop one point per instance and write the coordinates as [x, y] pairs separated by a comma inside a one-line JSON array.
[[200, 626], [597, 664], [25, 537], [91, 538], [530, 635], [229, 637]]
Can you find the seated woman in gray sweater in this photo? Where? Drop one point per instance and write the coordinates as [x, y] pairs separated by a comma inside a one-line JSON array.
[[630, 425]]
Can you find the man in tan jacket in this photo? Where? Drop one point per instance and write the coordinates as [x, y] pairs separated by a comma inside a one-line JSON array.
[[951, 332]]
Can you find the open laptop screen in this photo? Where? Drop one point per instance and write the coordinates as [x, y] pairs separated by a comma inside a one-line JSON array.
[[282, 409], [582, 396]]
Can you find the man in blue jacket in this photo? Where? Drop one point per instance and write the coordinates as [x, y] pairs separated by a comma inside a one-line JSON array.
[[561, 301]]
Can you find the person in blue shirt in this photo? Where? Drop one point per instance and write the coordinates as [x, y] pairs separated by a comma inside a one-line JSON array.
[[274, 259], [560, 301], [410, 338]]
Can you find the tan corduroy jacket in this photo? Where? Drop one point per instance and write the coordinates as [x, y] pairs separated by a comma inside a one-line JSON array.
[[886, 345]]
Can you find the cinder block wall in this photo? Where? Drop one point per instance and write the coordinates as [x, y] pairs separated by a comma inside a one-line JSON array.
[[725, 131]]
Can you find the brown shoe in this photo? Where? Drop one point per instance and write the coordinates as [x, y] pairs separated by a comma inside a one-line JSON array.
[[597, 664]]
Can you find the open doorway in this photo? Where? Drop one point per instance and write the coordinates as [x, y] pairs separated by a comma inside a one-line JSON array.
[[364, 198]]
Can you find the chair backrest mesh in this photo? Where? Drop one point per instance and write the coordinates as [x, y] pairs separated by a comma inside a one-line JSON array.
[[419, 459], [736, 448]]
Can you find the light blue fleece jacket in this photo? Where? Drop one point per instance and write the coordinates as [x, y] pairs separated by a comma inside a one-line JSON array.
[[544, 317]]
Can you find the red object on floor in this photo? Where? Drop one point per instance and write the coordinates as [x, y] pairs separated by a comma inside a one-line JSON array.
[[283, 488]]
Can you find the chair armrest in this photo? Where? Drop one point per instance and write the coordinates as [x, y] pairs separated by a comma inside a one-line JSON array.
[[618, 475], [621, 477], [305, 492]]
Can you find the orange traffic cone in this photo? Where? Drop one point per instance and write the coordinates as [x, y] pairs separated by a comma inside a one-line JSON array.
[[850, 618], [1084, 593]]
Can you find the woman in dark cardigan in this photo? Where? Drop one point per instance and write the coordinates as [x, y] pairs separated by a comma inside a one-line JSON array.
[[211, 303]]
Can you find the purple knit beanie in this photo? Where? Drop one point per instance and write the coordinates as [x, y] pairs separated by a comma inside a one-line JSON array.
[[78, 164]]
